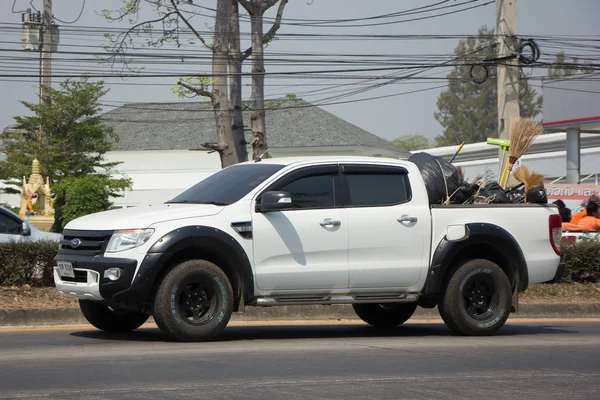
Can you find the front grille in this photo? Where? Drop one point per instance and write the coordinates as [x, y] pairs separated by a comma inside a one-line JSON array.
[[80, 277], [90, 243]]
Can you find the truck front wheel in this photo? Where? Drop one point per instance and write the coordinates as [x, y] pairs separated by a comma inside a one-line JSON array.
[[385, 315], [194, 302], [477, 299], [111, 320]]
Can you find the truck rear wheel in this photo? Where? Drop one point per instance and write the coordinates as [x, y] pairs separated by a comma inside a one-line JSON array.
[[385, 315], [194, 302], [477, 299], [111, 320]]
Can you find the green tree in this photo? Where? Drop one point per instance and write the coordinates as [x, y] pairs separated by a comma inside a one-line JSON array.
[[467, 111], [78, 141], [412, 142], [79, 196]]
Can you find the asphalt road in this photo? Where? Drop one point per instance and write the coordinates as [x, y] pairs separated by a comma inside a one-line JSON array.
[[528, 360]]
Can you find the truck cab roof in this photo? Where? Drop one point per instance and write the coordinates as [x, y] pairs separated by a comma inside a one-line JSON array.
[[308, 159]]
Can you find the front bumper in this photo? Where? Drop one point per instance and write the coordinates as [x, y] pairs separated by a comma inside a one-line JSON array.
[[89, 282]]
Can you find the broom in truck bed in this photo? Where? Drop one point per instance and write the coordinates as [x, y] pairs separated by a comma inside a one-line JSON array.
[[529, 179], [523, 132]]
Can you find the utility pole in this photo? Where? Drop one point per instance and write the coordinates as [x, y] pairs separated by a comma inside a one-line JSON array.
[[508, 68], [45, 61]]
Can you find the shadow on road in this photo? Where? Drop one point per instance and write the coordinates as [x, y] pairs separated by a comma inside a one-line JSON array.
[[283, 332]]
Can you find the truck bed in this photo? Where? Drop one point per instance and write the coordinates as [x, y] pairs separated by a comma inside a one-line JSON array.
[[527, 223]]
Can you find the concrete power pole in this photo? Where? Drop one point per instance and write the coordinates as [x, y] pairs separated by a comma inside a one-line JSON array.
[[45, 61], [508, 69]]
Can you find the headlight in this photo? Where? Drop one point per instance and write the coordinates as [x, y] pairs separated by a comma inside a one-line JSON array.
[[128, 239]]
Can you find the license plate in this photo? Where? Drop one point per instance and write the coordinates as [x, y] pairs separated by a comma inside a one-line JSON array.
[[65, 268]]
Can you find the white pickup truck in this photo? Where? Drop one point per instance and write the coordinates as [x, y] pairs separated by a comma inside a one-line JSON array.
[[339, 230]]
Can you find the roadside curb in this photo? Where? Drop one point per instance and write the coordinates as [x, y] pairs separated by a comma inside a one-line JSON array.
[[72, 315]]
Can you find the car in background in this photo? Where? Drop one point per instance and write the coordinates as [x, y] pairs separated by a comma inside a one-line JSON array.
[[15, 228]]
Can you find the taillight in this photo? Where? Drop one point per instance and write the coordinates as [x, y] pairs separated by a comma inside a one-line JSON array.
[[555, 232]]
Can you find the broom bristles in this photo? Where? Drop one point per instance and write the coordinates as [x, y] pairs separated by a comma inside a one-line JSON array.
[[529, 178], [523, 132]]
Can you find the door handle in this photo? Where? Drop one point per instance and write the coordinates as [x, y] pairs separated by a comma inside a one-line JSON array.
[[329, 222], [406, 218]]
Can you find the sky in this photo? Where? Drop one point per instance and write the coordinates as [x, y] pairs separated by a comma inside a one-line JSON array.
[[407, 107]]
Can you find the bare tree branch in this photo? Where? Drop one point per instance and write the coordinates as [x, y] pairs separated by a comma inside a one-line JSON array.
[[184, 19], [269, 3], [248, 5], [199, 92], [270, 35], [122, 37], [214, 146]]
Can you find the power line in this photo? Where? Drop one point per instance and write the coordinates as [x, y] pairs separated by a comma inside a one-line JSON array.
[[333, 21], [322, 24]]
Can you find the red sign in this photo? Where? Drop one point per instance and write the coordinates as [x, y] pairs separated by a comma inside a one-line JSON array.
[[566, 191]]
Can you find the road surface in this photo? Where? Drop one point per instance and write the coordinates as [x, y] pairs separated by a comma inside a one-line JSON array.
[[550, 359]]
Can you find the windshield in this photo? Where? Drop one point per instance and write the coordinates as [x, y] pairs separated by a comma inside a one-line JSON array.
[[228, 185]]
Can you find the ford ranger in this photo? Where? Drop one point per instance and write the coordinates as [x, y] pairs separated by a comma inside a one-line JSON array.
[[339, 230]]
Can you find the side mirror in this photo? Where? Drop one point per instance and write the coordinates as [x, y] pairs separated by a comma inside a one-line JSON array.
[[26, 229], [274, 201]]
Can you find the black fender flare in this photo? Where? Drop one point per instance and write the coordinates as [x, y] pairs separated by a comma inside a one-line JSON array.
[[209, 240], [476, 233]]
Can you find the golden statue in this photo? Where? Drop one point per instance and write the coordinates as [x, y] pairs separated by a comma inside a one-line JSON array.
[[36, 199]]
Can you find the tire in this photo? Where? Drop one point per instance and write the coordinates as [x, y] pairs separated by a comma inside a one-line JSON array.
[[477, 299], [385, 315], [194, 302], [109, 320]]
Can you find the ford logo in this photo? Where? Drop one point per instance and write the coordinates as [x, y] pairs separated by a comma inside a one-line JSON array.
[[75, 243]]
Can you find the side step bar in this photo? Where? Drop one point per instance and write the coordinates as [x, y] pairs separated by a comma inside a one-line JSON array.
[[328, 300]]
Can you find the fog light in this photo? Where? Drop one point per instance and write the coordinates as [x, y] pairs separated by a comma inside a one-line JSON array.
[[113, 274]]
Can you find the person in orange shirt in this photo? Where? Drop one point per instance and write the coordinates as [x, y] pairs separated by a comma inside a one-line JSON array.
[[591, 222], [575, 218]]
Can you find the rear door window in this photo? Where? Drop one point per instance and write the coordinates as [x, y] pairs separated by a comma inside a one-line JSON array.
[[375, 186]]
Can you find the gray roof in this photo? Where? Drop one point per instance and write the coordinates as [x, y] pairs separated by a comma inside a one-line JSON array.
[[185, 125]]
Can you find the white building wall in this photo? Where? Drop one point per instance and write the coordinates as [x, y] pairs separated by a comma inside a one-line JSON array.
[[160, 175]]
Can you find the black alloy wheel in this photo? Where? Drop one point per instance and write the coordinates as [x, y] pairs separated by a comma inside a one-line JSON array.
[[480, 297], [197, 303]]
